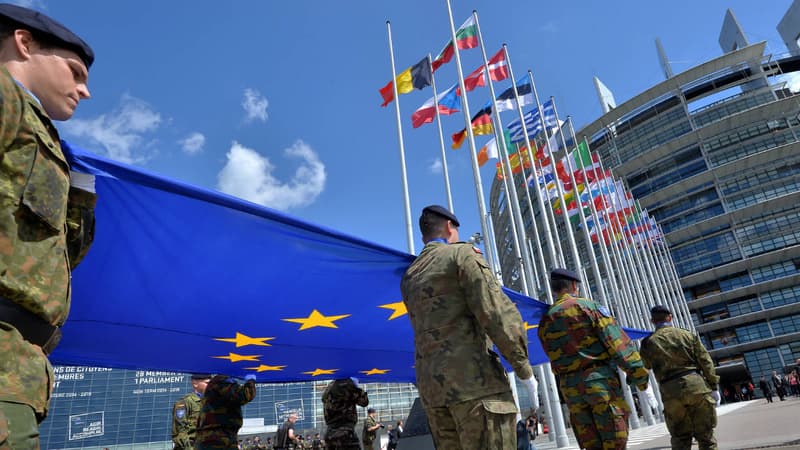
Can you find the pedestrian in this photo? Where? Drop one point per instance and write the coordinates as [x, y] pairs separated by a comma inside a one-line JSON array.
[[765, 389], [394, 435], [185, 413], [47, 225], [585, 346], [793, 383], [285, 438], [221, 415], [370, 431], [777, 383], [457, 311], [339, 402], [316, 443], [687, 381]]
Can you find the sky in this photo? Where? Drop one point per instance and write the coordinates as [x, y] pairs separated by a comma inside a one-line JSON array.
[[277, 101]]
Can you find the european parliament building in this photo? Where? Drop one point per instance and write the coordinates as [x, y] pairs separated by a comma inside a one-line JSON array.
[[98, 408], [713, 154]]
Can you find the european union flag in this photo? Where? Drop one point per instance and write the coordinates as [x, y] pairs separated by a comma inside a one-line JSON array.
[[190, 280]]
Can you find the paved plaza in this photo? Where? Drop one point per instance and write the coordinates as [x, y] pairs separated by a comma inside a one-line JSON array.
[[743, 425]]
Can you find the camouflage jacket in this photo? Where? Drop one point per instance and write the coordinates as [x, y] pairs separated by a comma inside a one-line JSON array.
[[670, 351], [184, 420], [458, 310], [221, 412], [339, 401], [45, 230], [367, 436], [583, 342]]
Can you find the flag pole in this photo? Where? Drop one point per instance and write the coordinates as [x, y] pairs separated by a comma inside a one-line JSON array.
[[473, 155], [406, 201], [441, 140]]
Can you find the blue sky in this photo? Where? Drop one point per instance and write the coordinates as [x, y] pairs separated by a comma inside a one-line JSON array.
[[278, 101]]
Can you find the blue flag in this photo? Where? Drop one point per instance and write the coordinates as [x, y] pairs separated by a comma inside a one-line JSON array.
[[186, 279]]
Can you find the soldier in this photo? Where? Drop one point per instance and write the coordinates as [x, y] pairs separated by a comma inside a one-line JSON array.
[[687, 381], [47, 212], [185, 413], [370, 431], [457, 311], [585, 346], [221, 415], [339, 402]]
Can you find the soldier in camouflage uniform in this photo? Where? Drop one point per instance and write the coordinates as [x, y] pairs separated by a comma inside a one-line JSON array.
[[457, 311], [185, 413], [687, 381], [370, 431], [221, 414], [46, 212], [339, 402], [585, 346]]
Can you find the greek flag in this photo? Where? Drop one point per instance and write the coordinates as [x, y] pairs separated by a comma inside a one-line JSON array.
[[533, 123]]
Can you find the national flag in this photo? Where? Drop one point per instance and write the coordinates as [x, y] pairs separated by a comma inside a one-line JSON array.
[[490, 151], [481, 124], [507, 101], [415, 77], [533, 122], [448, 104], [466, 37], [498, 71]]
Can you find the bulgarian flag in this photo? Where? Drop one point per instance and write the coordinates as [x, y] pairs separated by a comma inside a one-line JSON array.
[[466, 37]]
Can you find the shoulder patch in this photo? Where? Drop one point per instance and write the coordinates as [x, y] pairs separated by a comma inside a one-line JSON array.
[[180, 412], [604, 311]]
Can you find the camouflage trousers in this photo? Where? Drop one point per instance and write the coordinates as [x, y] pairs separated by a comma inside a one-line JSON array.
[[19, 429], [691, 415], [598, 413], [216, 440], [484, 423], [342, 438]]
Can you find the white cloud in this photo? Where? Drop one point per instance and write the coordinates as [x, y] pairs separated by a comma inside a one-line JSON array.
[[193, 144], [120, 133], [255, 105], [792, 80], [436, 166], [249, 175]]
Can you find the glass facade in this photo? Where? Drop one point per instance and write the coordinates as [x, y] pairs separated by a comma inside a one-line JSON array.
[[131, 409], [713, 153]]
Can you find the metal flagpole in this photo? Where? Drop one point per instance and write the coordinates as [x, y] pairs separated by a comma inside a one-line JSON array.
[[473, 155], [557, 420], [406, 201], [441, 139]]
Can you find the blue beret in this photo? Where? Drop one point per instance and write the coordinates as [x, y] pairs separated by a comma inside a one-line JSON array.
[[442, 211], [47, 29], [564, 274], [659, 309]]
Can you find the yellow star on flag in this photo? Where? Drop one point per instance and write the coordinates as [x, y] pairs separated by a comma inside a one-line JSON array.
[[399, 309], [265, 368], [318, 372], [241, 340], [529, 327], [233, 357], [374, 371], [316, 319]]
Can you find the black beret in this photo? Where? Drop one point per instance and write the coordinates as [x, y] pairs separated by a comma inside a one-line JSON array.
[[202, 376], [48, 29], [659, 309], [370, 410], [442, 211], [564, 274]]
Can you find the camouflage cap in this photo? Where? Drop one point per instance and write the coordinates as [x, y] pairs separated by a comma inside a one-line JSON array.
[[441, 211], [47, 29], [564, 274], [659, 309]]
